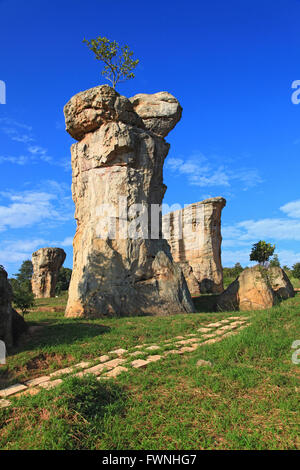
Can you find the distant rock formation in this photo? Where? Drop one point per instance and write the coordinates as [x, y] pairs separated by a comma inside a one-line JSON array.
[[119, 157], [46, 265], [11, 323], [194, 235], [256, 288]]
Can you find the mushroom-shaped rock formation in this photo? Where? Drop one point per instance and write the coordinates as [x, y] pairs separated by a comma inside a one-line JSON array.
[[46, 265], [117, 176]]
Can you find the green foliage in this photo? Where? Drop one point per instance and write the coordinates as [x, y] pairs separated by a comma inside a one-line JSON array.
[[22, 296], [63, 280], [296, 271], [261, 252], [118, 61], [25, 272], [275, 263], [230, 274]]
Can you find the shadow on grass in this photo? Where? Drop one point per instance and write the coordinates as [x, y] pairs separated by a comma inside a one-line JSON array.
[[53, 334], [73, 416]]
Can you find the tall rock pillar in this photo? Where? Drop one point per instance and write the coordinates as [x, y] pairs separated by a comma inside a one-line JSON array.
[[119, 266], [194, 234], [46, 265]]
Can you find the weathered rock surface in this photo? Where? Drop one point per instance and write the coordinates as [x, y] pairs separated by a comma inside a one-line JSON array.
[[160, 112], [118, 159], [46, 265], [194, 235], [11, 323], [251, 290], [280, 283]]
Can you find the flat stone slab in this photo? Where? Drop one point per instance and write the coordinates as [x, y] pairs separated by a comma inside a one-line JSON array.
[[50, 384], [188, 348], [103, 358], [12, 390], [173, 351], [119, 352], [153, 358], [37, 381], [4, 403], [138, 363], [82, 365], [116, 371], [136, 353], [153, 348], [30, 391], [210, 335], [204, 330], [203, 363], [215, 325]]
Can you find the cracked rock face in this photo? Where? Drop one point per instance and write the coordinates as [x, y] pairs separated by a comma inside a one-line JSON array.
[[194, 235], [46, 265], [119, 157]]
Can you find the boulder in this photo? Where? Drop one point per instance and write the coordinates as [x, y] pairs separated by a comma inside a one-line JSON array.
[[117, 164], [250, 291], [160, 112], [280, 283], [194, 235], [46, 265]]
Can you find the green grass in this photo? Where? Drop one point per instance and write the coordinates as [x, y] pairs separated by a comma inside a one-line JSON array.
[[248, 399]]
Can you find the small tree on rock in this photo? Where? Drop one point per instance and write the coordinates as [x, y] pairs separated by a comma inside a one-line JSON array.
[[119, 63], [261, 252]]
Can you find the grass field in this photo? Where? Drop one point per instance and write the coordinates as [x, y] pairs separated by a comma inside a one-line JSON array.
[[247, 399]]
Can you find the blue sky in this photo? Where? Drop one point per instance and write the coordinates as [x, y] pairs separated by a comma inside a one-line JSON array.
[[231, 65]]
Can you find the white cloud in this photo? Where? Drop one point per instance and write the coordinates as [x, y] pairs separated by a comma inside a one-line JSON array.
[[202, 172], [22, 133], [292, 209], [31, 208], [243, 235], [68, 241], [18, 250]]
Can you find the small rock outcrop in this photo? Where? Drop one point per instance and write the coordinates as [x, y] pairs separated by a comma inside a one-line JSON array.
[[117, 164], [256, 288], [12, 324], [280, 283], [46, 265], [194, 235]]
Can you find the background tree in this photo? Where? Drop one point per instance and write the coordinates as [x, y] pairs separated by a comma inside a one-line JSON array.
[[237, 269], [22, 297], [261, 252], [119, 63], [24, 274], [274, 262], [296, 271], [63, 280]]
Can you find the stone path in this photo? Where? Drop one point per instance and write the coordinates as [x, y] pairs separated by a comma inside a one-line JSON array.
[[120, 360]]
